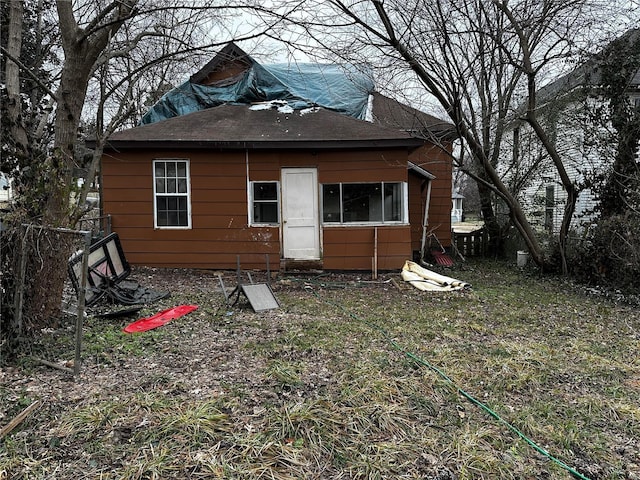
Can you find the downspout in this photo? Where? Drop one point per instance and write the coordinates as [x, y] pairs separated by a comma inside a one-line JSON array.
[[425, 221]]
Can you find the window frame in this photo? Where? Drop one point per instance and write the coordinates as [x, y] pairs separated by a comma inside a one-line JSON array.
[[404, 207], [157, 195], [253, 201], [549, 207]]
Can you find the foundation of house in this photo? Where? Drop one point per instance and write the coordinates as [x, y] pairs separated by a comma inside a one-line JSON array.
[[287, 264]]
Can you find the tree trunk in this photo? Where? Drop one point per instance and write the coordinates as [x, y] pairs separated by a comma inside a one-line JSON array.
[[81, 52], [494, 230], [12, 78], [518, 217], [71, 96]]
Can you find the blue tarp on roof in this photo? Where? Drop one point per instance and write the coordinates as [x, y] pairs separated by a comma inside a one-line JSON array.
[[302, 85]]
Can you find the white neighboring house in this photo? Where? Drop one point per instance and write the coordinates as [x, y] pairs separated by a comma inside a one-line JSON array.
[[563, 113], [6, 190], [456, 210]]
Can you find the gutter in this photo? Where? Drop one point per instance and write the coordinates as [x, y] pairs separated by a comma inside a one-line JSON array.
[[410, 144]]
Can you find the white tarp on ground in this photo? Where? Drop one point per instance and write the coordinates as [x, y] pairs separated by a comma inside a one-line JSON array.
[[424, 279]]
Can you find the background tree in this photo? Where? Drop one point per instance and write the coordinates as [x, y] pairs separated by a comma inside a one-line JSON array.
[[620, 65], [113, 54], [27, 49], [612, 253], [483, 63], [45, 189]]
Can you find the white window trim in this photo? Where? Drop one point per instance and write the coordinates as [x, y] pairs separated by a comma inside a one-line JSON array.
[[188, 195], [405, 208], [277, 200]]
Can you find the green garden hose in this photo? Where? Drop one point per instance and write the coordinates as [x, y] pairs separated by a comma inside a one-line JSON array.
[[462, 392]]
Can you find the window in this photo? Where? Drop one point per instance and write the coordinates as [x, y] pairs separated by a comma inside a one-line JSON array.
[[550, 204], [264, 198], [363, 202], [172, 206]]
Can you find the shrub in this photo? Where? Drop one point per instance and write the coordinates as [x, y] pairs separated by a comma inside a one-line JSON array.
[[611, 255]]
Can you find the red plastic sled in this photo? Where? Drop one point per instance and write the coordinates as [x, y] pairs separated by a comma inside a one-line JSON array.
[[442, 258], [159, 319]]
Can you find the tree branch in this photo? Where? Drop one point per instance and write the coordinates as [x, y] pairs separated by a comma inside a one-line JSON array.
[[28, 72]]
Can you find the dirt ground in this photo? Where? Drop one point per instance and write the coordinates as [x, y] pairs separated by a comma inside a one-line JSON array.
[[197, 356]]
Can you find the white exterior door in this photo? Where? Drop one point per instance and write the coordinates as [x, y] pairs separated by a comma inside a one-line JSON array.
[[300, 215]]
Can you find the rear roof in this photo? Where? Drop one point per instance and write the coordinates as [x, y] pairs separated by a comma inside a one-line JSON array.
[[268, 126], [391, 113]]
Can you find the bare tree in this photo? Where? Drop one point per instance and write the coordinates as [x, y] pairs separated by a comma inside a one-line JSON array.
[[113, 54], [482, 62]]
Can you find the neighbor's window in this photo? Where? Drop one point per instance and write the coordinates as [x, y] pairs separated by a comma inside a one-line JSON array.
[[264, 200], [171, 191], [363, 202], [550, 205]]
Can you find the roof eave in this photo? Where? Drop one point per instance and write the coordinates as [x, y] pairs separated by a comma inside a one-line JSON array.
[[264, 145]]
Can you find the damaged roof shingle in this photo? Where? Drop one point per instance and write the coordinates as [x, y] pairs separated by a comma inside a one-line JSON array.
[[240, 126]]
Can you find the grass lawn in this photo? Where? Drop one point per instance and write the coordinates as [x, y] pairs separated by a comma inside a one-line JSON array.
[[349, 379]]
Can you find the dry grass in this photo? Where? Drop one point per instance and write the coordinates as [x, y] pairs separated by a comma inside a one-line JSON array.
[[323, 388]]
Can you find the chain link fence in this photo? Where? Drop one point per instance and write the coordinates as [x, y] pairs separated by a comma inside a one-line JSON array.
[[38, 301]]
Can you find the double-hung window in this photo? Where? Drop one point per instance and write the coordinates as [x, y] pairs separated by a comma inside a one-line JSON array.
[[264, 203], [382, 202], [171, 191]]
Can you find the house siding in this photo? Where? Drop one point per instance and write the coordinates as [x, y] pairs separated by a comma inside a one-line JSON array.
[[417, 203], [436, 159], [353, 248], [219, 209], [218, 212], [580, 159]]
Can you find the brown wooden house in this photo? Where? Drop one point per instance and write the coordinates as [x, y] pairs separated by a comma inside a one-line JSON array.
[[312, 187]]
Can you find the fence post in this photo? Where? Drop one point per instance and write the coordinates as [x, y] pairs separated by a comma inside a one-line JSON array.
[[81, 301], [18, 302]]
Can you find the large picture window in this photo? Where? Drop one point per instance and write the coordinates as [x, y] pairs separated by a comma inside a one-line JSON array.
[[264, 203], [171, 190], [363, 202]]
